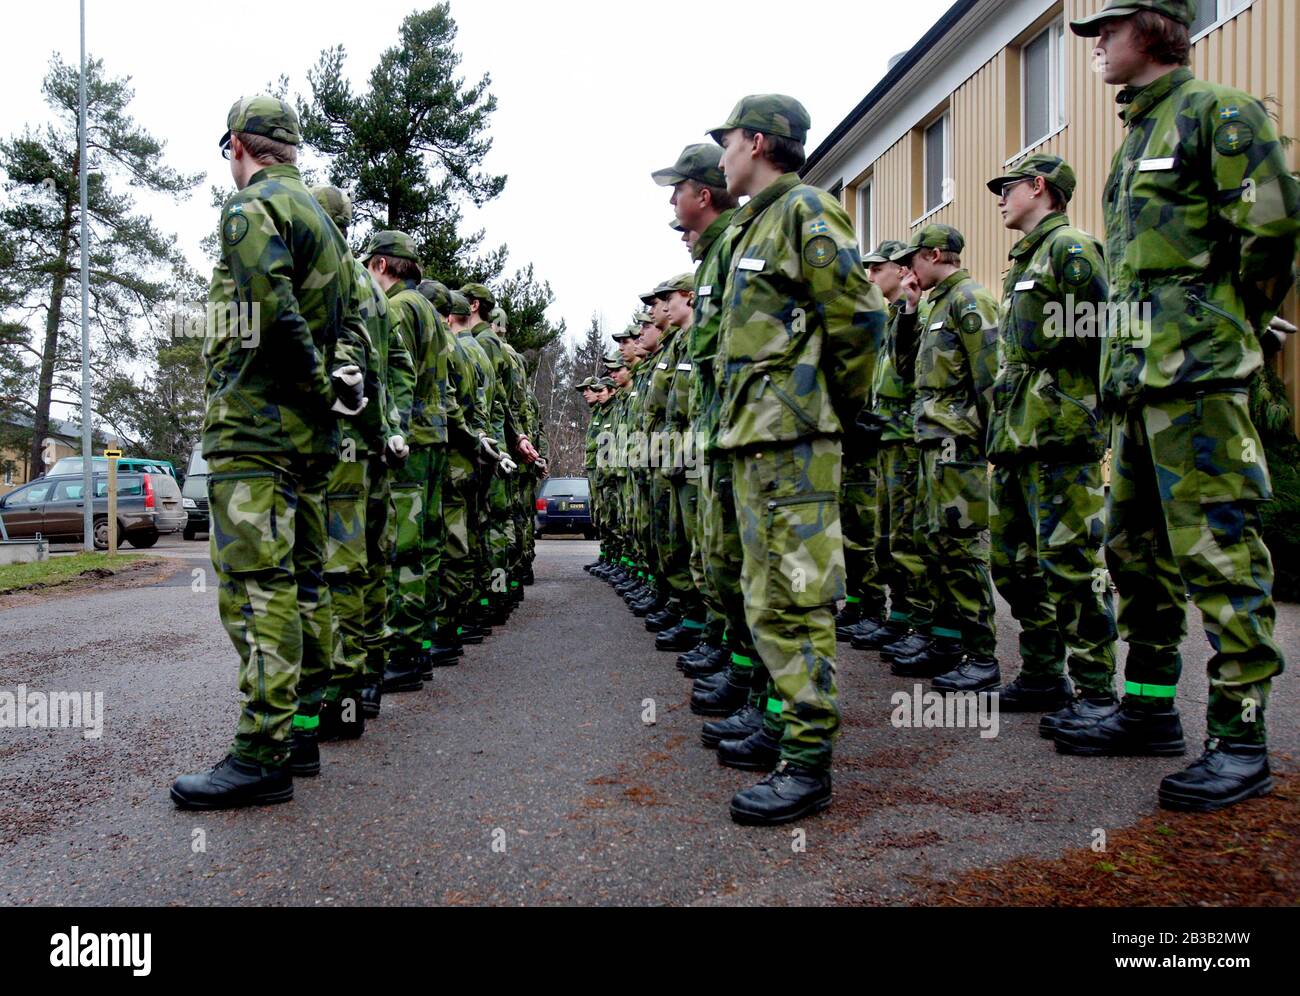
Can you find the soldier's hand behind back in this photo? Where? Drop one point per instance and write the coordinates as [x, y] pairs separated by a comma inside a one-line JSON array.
[[349, 389]]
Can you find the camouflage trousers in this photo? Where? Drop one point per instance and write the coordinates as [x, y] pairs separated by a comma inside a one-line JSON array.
[[380, 528], [955, 497], [268, 549], [858, 520], [1045, 522], [902, 560], [787, 505], [500, 530], [722, 555], [1187, 479], [406, 585], [673, 563], [688, 566], [459, 565], [347, 496]]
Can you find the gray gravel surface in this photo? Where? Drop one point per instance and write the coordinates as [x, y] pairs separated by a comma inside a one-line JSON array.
[[524, 775]]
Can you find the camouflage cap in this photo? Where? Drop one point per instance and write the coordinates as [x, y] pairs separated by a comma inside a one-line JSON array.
[[631, 332], [644, 317], [697, 162], [336, 204], [884, 252], [614, 359], [1182, 11], [770, 113], [606, 384], [481, 293], [681, 282], [269, 117], [499, 317], [932, 236], [399, 245], [457, 303], [1053, 169], [677, 226], [648, 297], [437, 294], [590, 384]]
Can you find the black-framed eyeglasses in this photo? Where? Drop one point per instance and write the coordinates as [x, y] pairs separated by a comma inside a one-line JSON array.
[[1006, 187]]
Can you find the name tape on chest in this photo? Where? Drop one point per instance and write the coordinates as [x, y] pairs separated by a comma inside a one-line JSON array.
[[683, 366], [661, 366], [1154, 165], [706, 289], [1024, 285], [746, 263], [936, 326]]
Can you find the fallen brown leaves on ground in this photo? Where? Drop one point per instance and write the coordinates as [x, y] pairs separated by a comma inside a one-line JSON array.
[[1245, 855]]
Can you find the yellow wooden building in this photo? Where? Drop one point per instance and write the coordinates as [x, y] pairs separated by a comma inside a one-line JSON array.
[[994, 80]]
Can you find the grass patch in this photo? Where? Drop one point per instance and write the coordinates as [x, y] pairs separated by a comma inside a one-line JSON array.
[[61, 570]]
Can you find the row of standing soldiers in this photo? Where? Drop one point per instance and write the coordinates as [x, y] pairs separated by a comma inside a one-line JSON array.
[[373, 455], [793, 429]]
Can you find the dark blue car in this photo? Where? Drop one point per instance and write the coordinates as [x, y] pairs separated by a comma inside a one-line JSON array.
[[564, 506]]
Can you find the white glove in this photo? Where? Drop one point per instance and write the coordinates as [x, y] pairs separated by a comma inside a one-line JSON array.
[[348, 390], [507, 465], [1280, 328], [397, 447], [489, 446]]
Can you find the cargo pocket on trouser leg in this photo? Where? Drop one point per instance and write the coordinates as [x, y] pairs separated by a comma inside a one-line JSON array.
[[252, 548]]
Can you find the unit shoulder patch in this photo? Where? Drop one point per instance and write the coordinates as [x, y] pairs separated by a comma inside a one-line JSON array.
[[971, 322], [1077, 270], [1232, 138], [820, 251], [234, 228]]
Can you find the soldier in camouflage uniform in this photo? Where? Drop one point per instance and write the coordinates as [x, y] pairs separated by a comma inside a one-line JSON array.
[[271, 437], [462, 564], [729, 683], [902, 559], [417, 485], [1202, 228], [356, 505], [801, 326], [507, 432], [955, 366], [595, 396], [1045, 441]]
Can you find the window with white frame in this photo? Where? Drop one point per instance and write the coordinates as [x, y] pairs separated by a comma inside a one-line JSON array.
[[866, 234], [938, 162], [1211, 12], [1042, 84]]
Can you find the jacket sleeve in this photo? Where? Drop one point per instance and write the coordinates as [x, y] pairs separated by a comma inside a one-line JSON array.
[[1259, 201], [852, 309], [260, 264]]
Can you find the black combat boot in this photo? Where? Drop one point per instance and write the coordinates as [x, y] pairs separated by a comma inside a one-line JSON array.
[[1135, 729], [665, 618], [974, 674], [1225, 773], [653, 603], [786, 794], [704, 666], [528, 577], [699, 650], [1036, 694], [372, 697], [469, 633], [939, 656], [757, 752], [880, 637], [626, 585], [304, 754], [846, 619], [740, 724], [913, 643], [440, 654], [403, 673], [343, 718], [1083, 711], [726, 697], [677, 637], [860, 630], [232, 782], [710, 682]]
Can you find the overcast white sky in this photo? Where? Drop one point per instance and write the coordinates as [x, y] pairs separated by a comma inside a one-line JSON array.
[[592, 96]]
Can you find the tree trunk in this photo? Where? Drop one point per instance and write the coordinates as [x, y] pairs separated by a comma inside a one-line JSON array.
[[53, 317]]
